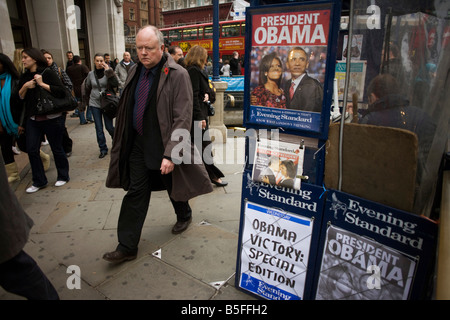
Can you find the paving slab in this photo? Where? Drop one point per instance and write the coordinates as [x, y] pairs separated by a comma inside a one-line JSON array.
[[151, 279]]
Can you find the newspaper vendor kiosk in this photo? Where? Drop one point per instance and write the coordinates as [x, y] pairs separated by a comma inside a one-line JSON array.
[[327, 211]]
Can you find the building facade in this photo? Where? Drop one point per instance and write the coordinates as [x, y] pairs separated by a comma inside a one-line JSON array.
[[85, 27], [138, 13], [184, 12]]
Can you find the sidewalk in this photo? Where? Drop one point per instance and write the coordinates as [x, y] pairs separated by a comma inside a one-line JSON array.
[[76, 223]]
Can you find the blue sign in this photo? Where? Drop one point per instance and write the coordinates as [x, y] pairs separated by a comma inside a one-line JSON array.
[[278, 239], [371, 251], [288, 119]]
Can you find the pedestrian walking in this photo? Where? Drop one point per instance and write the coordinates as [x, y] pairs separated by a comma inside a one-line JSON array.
[[122, 70], [195, 63], [156, 105], [98, 80], [10, 110], [67, 141], [77, 72], [52, 125], [19, 273]]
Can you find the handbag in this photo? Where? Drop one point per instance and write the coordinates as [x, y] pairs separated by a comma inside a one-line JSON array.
[[109, 101], [49, 104]]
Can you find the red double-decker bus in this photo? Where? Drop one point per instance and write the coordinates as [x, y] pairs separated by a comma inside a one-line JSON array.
[[231, 37]]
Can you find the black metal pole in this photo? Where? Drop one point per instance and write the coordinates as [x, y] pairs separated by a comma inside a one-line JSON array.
[[215, 76]]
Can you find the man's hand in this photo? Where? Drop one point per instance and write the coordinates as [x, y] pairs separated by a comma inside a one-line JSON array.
[[167, 166]]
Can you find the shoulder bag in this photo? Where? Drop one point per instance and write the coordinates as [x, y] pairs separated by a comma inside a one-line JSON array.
[[49, 104], [109, 101]]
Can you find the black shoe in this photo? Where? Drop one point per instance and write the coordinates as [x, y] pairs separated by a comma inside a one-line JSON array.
[[83, 123], [103, 154], [74, 115], [220, 184], [181, 226], [118, 256]]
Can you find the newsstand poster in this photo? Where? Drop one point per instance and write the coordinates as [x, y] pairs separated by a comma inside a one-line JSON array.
[[278, 239], [278, 163], [287, 77], [373, 252]]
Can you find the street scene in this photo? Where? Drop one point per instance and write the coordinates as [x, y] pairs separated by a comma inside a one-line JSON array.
[[77, 223], [224, 151]]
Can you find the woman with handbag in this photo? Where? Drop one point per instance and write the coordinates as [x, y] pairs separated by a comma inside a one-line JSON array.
[[100, 79], [195, 63], [38, 81]]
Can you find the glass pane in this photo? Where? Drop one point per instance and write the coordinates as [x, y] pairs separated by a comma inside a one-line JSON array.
[[174, 35], [208, 33], [406, 48], [230, 30], [190, 34]]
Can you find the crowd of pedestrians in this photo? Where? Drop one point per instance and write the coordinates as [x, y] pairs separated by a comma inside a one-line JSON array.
[[141, 154]]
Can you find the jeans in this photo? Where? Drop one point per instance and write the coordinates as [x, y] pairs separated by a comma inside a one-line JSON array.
[[22, 276], [99, 118], [54, 130], [82, 115]]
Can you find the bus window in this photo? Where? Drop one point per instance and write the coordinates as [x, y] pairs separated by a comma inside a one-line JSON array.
[[190, 34], [230, 30], [243, 29], [174, 35], [208, 32]]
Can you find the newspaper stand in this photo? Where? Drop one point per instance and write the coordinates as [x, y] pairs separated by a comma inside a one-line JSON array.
[[371, 251], [279, 226], [307, 242]]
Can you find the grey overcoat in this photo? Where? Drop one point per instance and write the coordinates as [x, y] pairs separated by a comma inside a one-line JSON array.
[[174, 109]]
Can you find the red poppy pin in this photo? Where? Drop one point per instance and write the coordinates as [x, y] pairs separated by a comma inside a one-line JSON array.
[[166, 71]]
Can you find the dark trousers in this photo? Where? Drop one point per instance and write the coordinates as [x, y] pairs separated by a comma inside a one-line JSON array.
[[135, 203], [7, 142], [22, 276], [54, 130]]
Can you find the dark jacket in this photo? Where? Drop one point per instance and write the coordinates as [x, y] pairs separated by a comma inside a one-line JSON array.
[[174, 112], [31, 98], [15, 224], [394, 111], [77, 73], [200, 86], [307, 97], [235, 67]]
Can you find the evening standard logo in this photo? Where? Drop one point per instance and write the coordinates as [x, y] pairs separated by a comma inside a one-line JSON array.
[[265, 191], [382, 223]]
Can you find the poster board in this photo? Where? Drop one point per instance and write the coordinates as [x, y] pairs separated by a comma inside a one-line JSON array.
[[278, 239], [357, 79], [283, 42], [370, 251], [278, 162]]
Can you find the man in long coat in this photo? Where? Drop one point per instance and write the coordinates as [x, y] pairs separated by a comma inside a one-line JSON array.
[[151, 148]]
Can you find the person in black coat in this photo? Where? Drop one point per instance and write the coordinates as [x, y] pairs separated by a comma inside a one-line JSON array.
[[387, 107], [10, 110], [195, 62], [235, 64], [52, 125], [19, 273], [302, 92]]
